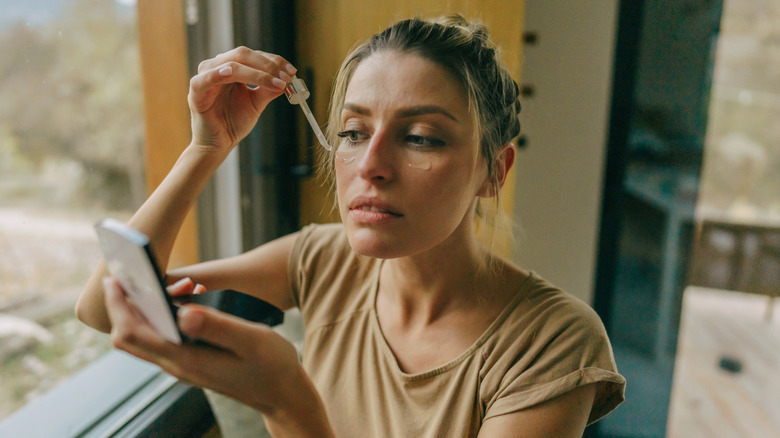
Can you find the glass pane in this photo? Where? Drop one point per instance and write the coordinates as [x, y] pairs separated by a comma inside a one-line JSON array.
[[71, 143], [725, 376], [741, 175], [663, 153]]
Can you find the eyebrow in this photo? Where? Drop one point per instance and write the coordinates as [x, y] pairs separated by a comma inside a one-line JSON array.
[[411, 111]]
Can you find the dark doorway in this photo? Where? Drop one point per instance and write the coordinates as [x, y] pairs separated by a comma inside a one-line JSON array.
[[662, 79]]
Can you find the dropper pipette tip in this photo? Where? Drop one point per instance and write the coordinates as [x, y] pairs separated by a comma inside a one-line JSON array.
[[297, 93], [314, 125]]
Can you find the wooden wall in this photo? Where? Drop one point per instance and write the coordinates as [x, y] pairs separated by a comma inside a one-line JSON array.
[[165, 78]]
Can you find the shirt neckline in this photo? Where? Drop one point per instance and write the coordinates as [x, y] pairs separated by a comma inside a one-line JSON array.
[[379, 337]]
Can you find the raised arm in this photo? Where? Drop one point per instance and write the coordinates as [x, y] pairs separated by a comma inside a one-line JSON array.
[[564, 416], [224, 109]]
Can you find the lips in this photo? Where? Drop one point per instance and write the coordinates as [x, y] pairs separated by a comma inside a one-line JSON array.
[[376, 209], [367, 208]]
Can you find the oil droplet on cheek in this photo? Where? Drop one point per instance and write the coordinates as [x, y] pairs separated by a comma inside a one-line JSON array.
[[345, 159], [421, 164]]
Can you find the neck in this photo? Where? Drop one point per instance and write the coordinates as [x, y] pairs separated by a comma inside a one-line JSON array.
[[424, 287]]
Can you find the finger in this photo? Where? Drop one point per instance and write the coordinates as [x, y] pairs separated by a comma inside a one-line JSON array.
[[184, 286], [120, 310], [252, 58], [218, 328], [134, 335], [129, 327], [232, 71], [204, 87]]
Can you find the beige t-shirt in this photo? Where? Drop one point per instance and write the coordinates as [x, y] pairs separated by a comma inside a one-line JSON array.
[[542, 345]]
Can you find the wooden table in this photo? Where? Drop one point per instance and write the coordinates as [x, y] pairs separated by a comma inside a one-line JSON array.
[[710, 401]]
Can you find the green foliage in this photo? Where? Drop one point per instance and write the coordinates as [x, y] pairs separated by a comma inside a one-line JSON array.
[[71, 94], [742, 158]]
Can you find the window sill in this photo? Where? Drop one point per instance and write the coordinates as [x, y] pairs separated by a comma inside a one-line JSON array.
[[117, 395]]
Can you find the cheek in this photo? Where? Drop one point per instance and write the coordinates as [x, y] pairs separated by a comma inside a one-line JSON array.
[[344, 177], [451, 192]]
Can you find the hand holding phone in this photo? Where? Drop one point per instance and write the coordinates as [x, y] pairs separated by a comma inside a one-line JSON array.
[[130, 260]]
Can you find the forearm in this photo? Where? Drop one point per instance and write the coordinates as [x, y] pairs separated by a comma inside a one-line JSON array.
[[160, 218], [163, 213]]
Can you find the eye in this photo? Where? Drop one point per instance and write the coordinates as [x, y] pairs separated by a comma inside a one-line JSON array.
[[423, 141], [353, 136]]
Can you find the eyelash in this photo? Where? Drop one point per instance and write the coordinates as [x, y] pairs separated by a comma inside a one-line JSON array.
[[349, 135], [427, 141], [416, 140]]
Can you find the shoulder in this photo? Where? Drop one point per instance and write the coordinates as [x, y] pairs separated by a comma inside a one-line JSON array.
[[550, 343], [318, 249], [314, 238], [544, 312], [323, 268], [555, 311]]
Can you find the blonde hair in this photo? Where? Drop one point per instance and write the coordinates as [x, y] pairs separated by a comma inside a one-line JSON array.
[[464, 49]]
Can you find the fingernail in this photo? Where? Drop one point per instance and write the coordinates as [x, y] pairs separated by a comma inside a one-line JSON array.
[[278, 83], [180, 282], [226, 71], [284, 76], [189, 321], [290, 69]]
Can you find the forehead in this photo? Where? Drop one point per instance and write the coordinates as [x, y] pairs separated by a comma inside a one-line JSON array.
[[392, 79]]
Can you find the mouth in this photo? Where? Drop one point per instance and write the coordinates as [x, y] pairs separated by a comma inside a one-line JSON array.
[[373, 207]]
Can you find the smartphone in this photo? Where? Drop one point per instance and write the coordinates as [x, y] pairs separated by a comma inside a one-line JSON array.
[[130, 260]]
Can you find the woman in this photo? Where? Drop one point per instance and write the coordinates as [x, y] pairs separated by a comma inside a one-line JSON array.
[[412, 327]]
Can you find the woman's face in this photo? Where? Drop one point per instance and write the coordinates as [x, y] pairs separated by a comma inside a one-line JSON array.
[[408, 168]]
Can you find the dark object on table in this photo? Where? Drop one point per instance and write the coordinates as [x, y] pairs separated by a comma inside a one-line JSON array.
[[731, 364]]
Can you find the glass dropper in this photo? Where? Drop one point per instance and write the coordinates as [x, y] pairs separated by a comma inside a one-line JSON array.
[[297, 93]]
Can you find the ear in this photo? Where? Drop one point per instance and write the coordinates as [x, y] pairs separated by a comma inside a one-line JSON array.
[[501, 166]]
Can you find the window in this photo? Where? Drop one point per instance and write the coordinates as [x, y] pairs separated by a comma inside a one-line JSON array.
[[71, 141], [740, 177], [691, 242], [725, 377]]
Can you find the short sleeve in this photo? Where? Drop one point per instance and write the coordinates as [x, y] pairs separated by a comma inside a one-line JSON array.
[[323, 271], [562, 345], [295, 269]]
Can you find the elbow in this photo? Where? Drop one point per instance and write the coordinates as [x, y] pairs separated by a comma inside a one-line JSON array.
[[81, 313], [89, 316]]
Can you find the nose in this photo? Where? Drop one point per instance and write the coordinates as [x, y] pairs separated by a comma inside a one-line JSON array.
[[376, 161]]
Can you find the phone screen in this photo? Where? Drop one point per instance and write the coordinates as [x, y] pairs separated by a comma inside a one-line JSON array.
[[129, 259]]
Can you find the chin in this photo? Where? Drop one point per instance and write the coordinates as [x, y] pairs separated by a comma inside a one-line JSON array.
[[370, 243]]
